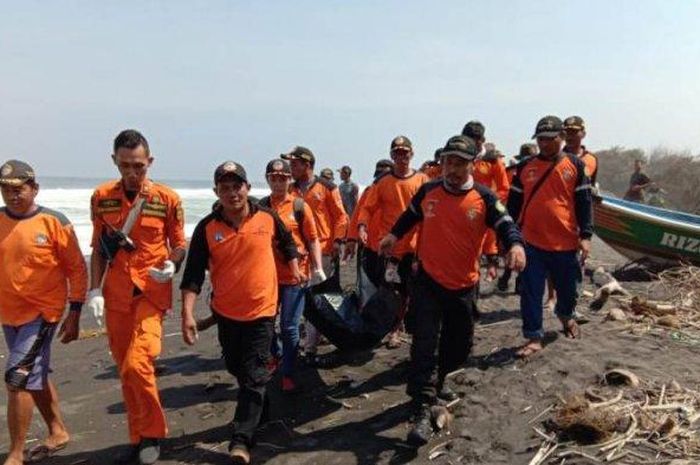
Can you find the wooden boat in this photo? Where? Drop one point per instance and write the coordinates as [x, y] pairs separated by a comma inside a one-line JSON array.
[[640, 231]]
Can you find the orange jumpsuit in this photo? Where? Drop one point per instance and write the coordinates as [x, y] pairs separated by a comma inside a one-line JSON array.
[[492, 174], [134, 302]]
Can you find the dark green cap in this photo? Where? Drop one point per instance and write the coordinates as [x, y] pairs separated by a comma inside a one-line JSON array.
[[401, 143], [278, 166], [549, 126], [475, 130], [16, 173], [300, 153], [575, 122], [461, 146], [526, 151]]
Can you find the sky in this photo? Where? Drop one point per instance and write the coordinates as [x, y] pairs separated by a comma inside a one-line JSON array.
[[209, 81]]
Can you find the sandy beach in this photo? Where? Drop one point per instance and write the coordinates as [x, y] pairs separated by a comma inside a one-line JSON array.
[[357, 413]]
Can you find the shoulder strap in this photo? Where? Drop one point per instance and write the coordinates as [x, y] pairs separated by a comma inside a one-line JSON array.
[[536, 187], [265, 202], [298, 207]]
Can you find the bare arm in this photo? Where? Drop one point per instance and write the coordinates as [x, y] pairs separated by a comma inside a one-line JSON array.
[[97, 269]]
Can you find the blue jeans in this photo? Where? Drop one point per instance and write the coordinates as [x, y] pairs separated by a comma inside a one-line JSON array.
[[292, 299], [565, 270]]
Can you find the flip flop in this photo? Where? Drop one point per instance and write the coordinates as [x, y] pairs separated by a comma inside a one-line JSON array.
[[571, 329], [43, 452], [529, 349]]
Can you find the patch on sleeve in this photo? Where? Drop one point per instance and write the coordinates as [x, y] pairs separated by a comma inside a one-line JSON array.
[[108, 205], [155, 208]]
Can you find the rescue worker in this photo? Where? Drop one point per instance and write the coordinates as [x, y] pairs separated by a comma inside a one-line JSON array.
[[331, 223], [454, 214], [236, 243], [41, 266], [432, 168], [526, 151], [574, 133], [551, 198], [138, 244], [369, 259], [299, 221], [389, 197], [489, 172], [349, 190]]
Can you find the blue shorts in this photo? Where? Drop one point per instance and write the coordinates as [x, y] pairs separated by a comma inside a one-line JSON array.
[[30, 353]]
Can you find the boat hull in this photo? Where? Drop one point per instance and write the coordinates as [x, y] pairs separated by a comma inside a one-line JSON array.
[[640, 231]]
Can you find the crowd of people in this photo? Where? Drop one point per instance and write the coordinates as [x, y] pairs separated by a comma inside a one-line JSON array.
[[423, 232]]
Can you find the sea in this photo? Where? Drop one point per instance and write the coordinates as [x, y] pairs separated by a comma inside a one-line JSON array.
[[71, 196]]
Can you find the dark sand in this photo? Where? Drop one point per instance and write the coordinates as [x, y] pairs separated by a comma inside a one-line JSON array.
[[357, 413]]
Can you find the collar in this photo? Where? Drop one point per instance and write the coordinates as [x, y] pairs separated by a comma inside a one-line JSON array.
[[466, 187]]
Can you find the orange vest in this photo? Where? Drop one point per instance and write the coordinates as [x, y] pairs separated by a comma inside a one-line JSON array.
[[158, 230]]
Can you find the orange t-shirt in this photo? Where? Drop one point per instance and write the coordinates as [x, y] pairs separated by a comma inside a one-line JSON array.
[[41, 266], [372, 227], [589, 159], [323, 197], [158, 230], [241, 262], [559, 213], [433, 172], [388, 199], [285, 210], [492, 174], [453, 226]]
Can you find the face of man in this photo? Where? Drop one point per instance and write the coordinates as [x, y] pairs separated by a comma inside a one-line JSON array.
[[456, 170], [300, 169], [232, 194], [344, 175], [401, 158], [133, 166], [638, 165], [549, 146], [19, 200], [573, 136], [279, 183]]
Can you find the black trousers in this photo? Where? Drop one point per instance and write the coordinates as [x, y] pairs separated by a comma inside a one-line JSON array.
[[372, 266], [246, 349], [443, 324]]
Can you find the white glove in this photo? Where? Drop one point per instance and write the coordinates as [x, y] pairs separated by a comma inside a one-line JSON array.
[[165, 274], [317, 277], [96, 304]]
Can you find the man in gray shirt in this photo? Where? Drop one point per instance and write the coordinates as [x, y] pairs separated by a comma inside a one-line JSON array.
[[348, 190]]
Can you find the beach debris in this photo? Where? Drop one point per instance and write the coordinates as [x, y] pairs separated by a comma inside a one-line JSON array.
[[624, 416], [616, 314], [604, 292], [441, 417]]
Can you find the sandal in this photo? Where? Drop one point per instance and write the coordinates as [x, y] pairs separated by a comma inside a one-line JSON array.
[[529, 349], [571, 328], [43, 452]]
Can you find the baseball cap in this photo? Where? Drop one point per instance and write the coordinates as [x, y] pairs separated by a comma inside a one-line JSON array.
[[474, 129], [16, 173], [401, 142], [462, 146], [382, 165], [438, 154], [278, 166], [229, 168], [300, 153], [526, 151], [549, 126], [574, 122]]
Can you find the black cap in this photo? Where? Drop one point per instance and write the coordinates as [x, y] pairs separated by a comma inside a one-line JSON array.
[[16, 173], [300, 153], [382, 165], [462, 146], [229, 168], [575, 122], [526, 151], [401, 142], [549, 126], [475, 130], [278, 166]]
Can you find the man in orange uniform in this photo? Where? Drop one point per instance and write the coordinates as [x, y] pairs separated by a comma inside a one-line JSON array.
[[389, 197], [40, 267], [489, 172], [432, 167], [138, 243], [299, 220], [236, 243], [331, 222], [551, 198], [454, 214], [369, 260], [574, 133]]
